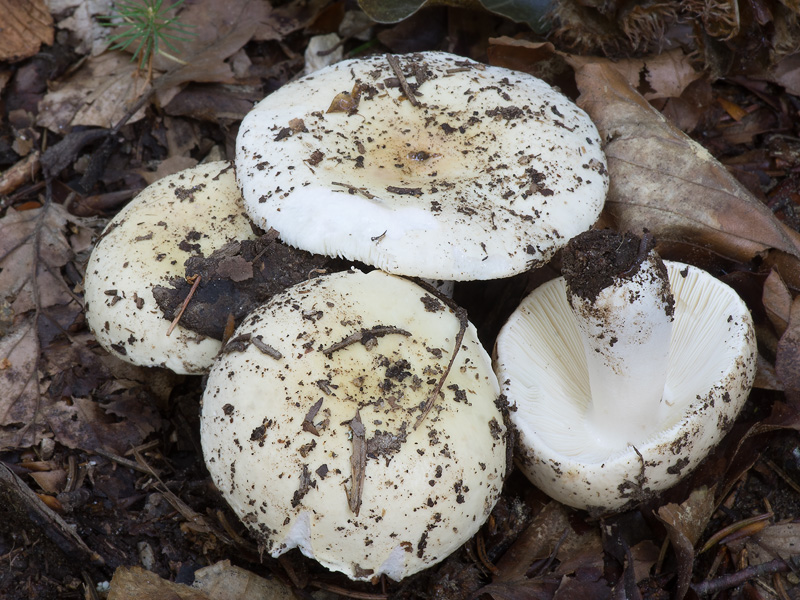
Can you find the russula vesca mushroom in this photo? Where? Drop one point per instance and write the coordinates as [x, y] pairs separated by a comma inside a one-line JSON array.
[[193, 212], [356, 417], [624, 373], [428, 165]]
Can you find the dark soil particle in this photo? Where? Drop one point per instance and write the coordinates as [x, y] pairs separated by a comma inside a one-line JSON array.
[[592, 260]]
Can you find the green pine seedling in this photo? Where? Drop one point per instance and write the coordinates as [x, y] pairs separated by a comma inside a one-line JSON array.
[[147, 24]]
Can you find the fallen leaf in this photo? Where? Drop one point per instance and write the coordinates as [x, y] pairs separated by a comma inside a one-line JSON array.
[[33, 249], [224, 581], [98, 94], [216, 104], [19, 353], [663, 181], [26, 25], [209, 22], [664, 75], [86, 424], [777, 300], [79, 18], [780, 540], [537, 541], [168, 166], [136, 583], [787, 359], [787, 74], [685, 524]]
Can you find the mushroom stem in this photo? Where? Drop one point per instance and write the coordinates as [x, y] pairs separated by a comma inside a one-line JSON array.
[[619, 292]]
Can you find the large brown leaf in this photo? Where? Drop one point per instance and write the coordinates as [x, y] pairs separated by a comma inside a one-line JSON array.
[[663, 181]]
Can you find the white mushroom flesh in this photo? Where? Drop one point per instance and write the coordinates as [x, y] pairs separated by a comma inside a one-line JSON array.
[[486, 176], [190, 213], [541, 364], [280, 440], [626, 333]]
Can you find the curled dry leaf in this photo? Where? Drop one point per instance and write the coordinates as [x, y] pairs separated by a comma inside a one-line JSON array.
[[663, 181], [136, 583], [685, 524], [665, 75], [26, 25], [777, 300], [224, 581], [787, 361]]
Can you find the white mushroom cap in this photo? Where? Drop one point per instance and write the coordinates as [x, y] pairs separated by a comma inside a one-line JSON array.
[[488, 175], [280, 440], [540, 360], [195, 211]]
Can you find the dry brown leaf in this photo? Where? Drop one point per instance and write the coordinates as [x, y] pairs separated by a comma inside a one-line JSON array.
[[98, 94], [209, 22], [663, 181], [47, 373], [223, 581], [136, 583], [781, 540], [777, 300], [787, 359], [685, 524], [19, 402], [787, 74], [33, 248], [664, 75], [168, 166], [25, 25], [107, 86]]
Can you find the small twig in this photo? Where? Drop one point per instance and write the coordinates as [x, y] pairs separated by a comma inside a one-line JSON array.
[[463, 322], [266, 348], [363, 336], [726, 582], [174, 323], [124, 461], [398, 71], [354, 190]]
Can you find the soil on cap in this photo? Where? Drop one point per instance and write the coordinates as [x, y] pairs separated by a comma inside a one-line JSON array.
[[592, 260]]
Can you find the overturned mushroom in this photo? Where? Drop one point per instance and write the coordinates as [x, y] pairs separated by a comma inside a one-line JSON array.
[[191, 213], [356, 417], [624, 373], [428, 165]]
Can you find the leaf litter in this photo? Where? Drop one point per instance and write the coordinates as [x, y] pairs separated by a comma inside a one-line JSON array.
[[113, 449]]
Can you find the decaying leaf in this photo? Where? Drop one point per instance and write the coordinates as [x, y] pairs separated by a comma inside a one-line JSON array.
[[51, 381], [685, 524], [777, 300], [664, 75], [663, 181], [136, 583], [25, 25], [787, 360], [33, 248], [224, 581], [98, 95], [780, 540]]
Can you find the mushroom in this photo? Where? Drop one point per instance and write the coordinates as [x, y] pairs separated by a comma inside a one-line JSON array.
[[624, 373], [190, 213], [428, 165], [356, 417]]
